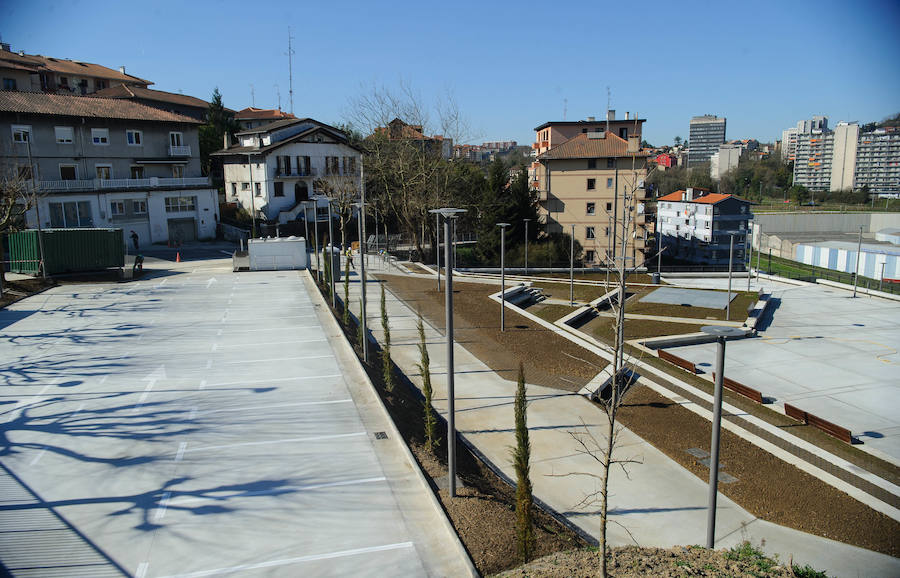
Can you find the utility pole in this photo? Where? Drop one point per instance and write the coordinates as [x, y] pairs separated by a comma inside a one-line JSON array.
[[856, 270], [362, 258], [503, 227], [750, 259], [730, 262], [37, 210], [572, 267], [331, 255], [252, 200], [437, 246], [526, 245]]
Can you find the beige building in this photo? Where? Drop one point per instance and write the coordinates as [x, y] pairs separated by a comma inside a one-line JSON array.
[[591, 181]]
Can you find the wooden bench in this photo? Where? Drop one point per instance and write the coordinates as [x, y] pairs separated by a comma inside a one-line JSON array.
[[831, 429], [741, 389], [675, 360]]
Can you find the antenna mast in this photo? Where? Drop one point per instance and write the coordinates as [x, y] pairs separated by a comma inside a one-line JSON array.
[[608, 97], [278, 94], [290, 55], [565, 107], [252, 97]]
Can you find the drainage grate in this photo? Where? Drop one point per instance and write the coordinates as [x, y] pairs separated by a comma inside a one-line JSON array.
[[703, 458], [380, 435]]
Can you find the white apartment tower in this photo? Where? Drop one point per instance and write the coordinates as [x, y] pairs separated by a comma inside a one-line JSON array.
[[706, 134]]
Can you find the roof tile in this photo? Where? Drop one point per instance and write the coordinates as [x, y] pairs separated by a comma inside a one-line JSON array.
[[85, 106]]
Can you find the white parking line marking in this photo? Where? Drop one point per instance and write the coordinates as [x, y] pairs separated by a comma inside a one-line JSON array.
[[163, 504], [259, 344], [180, 454], [286, 561], [255, 381], [202, 384], [142, 570], [209, 364], [281, 441], [270, 406], [38, 456], [279, 359], [279, 490]]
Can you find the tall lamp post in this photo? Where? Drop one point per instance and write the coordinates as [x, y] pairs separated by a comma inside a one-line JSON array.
[[503, 227], [721, 333], [449, 212], [730, 264], [572, 268], [437, 243], [330, 254], [526, 245], [252, 201], [856, 270]]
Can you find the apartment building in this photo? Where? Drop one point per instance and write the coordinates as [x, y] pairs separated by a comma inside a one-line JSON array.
[[182, 104], [878, 161], [100, 162], [726, 158], [697, 226], [399, 130], [707, 132], [277, 168], [594, 182], [37, 73], [251, 117]]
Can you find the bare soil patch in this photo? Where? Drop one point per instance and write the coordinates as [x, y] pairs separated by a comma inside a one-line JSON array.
[[766, 486], [21, 288]]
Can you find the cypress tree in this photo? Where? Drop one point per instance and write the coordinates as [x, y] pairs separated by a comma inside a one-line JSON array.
[[424, 368], [521, 463], [386, 369]]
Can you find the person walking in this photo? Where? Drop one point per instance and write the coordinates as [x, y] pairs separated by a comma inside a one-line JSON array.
[[134, 240], [350, 257]]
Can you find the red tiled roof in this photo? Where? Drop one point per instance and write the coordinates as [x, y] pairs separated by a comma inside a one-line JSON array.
[[124, 91], [38, 62], [707, 199], [85, 106], [582, 147], [261, 113]]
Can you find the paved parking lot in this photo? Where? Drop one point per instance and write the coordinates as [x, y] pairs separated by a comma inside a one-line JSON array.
[[827, 353], [198, 424]]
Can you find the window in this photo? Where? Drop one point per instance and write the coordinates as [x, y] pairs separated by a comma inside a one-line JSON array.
[[332, 165], [176, 139], [606, 231], [178, 171], [245, 186], [284, 165], [180, 204], [303, 166], [279, 188], [591, 207], [68, 172], [134, 138], [64, 82], [71, 214], [21, 133], [233, 189], [609, 206], [592, 163], [589, 256], [100, 136], [9, 84], [609, 183], [25, 173], [103, 171], [610, 163], [589, 233], [117, 208], [258, 189], [591, 184], [137, 172], [349, 165], [64, 134], [623, 133], [139, 207]]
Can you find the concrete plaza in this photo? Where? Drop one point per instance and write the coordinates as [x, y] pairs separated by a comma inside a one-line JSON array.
[[824, 351], [202, 423]]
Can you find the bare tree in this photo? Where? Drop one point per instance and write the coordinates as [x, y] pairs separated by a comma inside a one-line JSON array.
[[343, 191], [17, 194], [601, 448]]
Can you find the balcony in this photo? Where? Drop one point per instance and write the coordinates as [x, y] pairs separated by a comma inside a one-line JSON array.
[[283, 174], [179, 151], [104, 184]]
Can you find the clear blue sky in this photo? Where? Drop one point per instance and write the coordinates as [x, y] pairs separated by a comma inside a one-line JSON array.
[[511, 65]]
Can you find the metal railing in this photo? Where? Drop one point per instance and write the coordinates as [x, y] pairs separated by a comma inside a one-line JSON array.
[[310, 172], [94, 184], [179, 151]]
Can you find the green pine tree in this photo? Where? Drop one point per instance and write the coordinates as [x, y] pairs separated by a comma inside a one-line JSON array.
[[386, 366], [424, 368], [521, 463]]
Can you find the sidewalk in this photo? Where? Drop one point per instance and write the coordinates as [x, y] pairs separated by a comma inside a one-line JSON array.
[[661, 504]]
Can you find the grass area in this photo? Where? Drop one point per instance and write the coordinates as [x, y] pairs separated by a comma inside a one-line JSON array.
[[602, 328], [739, 306], [583, 293], [551, 312], [600, 276], [796, 270], [770, 205]]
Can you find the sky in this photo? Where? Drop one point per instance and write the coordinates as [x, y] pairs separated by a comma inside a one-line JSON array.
[[509, 66]]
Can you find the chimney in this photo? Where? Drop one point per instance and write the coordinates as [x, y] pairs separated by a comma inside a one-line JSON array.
[[591, 119], [122, 69], [611, 114], [227, 139], [634, 143], [626, 114], [4, 46]]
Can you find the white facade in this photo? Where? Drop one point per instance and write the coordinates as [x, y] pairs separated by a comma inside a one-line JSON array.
[[843, 156], [878, 161], [726, 158], [276, 172]]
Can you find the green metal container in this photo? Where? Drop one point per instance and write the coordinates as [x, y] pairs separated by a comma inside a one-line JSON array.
[[66, 250]]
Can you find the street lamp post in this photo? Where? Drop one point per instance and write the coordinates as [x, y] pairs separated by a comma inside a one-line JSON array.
[[572, 268], [252, 200], [721, 333], [437, 244], [856, 270], [503, 227], [750, 260], [330, 255], [730, 263], [448, 212], [318, 261], [526, 245]]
